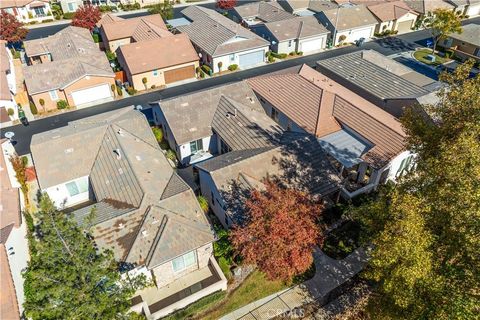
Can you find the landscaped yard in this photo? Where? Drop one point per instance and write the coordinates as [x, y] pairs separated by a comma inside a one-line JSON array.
[[255, 287], [421, 55], [342, 240]]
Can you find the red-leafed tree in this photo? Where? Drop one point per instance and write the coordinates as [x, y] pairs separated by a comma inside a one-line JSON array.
[[86, 17], [11, 30], [280, 232], [226, 4]]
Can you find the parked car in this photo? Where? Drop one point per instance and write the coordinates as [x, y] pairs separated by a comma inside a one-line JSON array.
[[22, 117], [360, 42]]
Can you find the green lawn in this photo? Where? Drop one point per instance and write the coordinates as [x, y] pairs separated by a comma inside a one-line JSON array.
[[421, 54], [255, 287]]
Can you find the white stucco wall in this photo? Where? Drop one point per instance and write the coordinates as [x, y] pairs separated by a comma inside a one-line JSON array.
[[394, 165], [60, 196], [350, 34], [226, 61], [22, 13], [283, 47], [207, 189], [184, 150]]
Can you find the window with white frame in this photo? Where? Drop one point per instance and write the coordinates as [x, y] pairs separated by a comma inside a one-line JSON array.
[[196, 146], [71, 6], [155, 73], [53, 95], [232, 57], [77, 187], [185, 261], [289, 43]]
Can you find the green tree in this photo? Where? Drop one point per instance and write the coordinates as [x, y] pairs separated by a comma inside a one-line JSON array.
[[67, 278], [165, 9], [442, 23], [426, 231]]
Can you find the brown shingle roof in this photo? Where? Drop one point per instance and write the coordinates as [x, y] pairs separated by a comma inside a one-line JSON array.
[[350, 17], [265, 11], [321, 106], [108, 18], [389, 11], [169, 51], [296, 28]]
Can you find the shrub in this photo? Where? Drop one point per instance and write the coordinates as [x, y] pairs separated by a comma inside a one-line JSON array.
[[33, 108], [119, 91], [42, 102], [300, 53], [96, 37], [278, 55], [292, 53], [158, 133], [153, 86], [171, 155], [233, 67], [10, 112], [202, 74], [30, 15], [220, 65], [206, 69], [15, 54], [110, 55], [33, 22], [62, 104], [131, 91], [68, 15], [47, 20], [449, 53], [203, 203], [105, 8], [342, 38], [225, 266], [271, 59]]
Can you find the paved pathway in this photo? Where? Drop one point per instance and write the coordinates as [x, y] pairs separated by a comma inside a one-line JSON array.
[[330, 274]]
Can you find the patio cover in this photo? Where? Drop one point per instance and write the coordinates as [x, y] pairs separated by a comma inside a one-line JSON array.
[[345, 146]]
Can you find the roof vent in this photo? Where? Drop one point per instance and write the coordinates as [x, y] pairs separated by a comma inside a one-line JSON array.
[[251, 100], [69, 150], [117, 153], [144, 233], [120, 132], [138, 158], [121, 226]]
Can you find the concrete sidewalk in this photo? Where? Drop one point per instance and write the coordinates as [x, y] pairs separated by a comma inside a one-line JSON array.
[[330, 274]]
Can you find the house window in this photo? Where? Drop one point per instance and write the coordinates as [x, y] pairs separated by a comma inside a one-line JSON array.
[[39, 11], [274, 114], [196, 146], [77, 187], [185, 261], [71, 6], [289, 43], [232, 57], [53, 95], [155, 73]]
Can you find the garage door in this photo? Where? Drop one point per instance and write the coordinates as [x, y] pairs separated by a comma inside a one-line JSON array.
[[360, 33], [179, 74], [250, 59], [91, 94], [404, 26], [311, 45]]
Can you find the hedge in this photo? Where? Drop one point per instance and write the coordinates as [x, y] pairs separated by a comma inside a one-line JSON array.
[[206, 69], [33, 108], [233, 67], [62, 104], [68, 15]]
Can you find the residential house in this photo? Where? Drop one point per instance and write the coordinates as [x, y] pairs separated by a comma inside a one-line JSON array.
[[425, 6], [366, 144], [27, 11], [219, 40], [392, 15], [175, 59], [256, 14], [466, 44], [13, 244], [202, 124], [70, 5], [7, 85], [145, 213], [67, 66], [303, 34], [470, 8], [383, 81], [349, 23], [142, 3], [116, 31], [296, 161], [307, 7]]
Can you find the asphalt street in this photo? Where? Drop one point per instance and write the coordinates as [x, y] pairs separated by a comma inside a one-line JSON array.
[[386, 46]]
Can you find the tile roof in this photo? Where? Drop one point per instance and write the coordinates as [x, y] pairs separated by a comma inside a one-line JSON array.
[[108, 18], [139, 28], [296, 28], [350, 17], [389, 11], [313, 5], [74, 55], [265, 11], [470, 33], [321, 106], [424, 6], [18, 3], [297, 161], [10, 204], [190, 117], [5, 93], [216, 34], [133, 183], [169, 51], [8, 298], [375, 73]]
